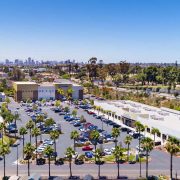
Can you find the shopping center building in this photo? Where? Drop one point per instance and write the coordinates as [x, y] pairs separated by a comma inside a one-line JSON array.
[[49, 91], [128, 112]]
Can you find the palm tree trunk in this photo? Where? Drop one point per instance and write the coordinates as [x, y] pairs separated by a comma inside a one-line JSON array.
[[49, 166], [99, 170], [36, 149], [115, 142], [23, 146], [4, 166], [128, 153], [30, 135], [154, 139], [171, 166], [70, 169], [118, 169], [55, 149], [146, 164], [28, 167]]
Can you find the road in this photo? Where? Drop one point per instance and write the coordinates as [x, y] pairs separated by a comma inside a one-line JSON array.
[[159, 163]]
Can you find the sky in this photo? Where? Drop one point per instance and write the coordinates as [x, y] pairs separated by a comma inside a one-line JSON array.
[[111, 30]]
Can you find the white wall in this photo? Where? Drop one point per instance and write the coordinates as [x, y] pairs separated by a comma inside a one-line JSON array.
[[46, 92], [76, 89]]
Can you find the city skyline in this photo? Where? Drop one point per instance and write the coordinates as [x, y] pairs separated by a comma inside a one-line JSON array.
[[136, 31]]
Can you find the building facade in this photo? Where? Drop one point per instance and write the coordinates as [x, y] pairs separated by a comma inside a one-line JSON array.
[[48, 91], [25, 91]]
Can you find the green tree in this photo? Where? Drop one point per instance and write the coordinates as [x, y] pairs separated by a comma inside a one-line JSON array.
[[54, 135], [74, 112], [35, 133], [2, 129], [49, 151], [30, 126], [23, 132], [28, 150], [118, 154], [4, 150], [115, 134], [98, 156], [127, 141], [57, 103], [172, 148], [66, 109], [49, 122], [69, 154], [74, 136], [16, 118], [94, 136], [40, 119], [155, 131], [147, 145], [139, 128]]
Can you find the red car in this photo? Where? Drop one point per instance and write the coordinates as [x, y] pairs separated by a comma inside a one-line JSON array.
[[90, 112], [87, 148]]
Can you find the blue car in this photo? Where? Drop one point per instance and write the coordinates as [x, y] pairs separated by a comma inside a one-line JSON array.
[[67, 116], [89, 154]]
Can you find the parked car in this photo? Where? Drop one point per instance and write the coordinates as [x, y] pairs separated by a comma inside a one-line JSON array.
[[89, 154], [87, 148]]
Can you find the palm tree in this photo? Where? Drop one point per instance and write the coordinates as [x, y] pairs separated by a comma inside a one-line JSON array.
[[22, 132], [139, 128], [28, 150], [147, 145], [40, 119], [74, 112], [155, 131], [54, 135], [30, 125], [60, 91], [118, 154], [98, 156], [57, 103], [35, 133], [4, 150], [94, 136], [127, 141], [69, 93], [74, 136], [115, 134], [49, 122], [16, 118], [49, 151], [69, 154], [2, 128], [172, 148]]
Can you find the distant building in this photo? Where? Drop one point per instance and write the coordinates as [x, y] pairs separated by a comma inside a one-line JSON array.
[[48, 91], [2, 97], [25, 91]]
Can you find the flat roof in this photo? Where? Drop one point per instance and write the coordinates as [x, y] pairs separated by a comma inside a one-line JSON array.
[[168, 122], [24, 82]]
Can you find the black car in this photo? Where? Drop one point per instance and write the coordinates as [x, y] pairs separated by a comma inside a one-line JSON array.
[[59, 162], [79, 161], [41, 161]]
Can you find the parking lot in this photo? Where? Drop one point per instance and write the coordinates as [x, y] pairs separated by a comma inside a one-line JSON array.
[[159, 160]]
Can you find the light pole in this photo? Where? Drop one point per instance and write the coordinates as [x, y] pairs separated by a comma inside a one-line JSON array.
[[17, 167]]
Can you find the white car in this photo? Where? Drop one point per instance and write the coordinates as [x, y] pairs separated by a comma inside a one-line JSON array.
[[112, 149], [107, 152]]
